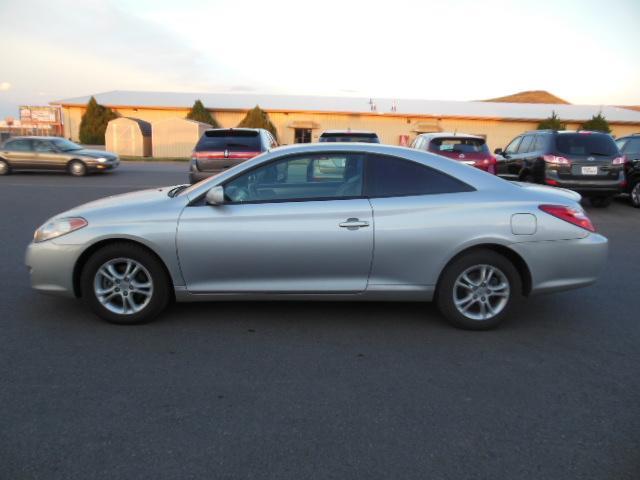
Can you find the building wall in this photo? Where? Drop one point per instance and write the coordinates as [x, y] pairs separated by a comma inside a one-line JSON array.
[[388, 127]]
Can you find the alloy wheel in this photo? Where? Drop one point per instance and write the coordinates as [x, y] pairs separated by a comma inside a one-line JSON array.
[[635, 194], [123, 286], [481, 292]]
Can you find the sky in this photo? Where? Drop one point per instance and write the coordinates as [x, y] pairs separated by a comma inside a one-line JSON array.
[[587, 52]]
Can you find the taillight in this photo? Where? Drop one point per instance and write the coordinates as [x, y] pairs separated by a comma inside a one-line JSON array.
[[554, 159], [553, 183], [568, 214], [619, 160]]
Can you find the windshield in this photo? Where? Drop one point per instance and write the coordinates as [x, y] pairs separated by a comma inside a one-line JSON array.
[[598, 144], [231, 140], [65, 145]]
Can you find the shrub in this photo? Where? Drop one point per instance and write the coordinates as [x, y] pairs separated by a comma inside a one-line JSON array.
[[258, 118], [94, 123], [551, 123], [597, 124], [200, 114]]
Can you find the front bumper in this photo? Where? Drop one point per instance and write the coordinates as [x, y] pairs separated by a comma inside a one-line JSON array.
[[564, 264], [103, 166], [51, 267]]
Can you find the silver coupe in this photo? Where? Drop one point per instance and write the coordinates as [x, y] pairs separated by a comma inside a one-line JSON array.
[[330, 221]]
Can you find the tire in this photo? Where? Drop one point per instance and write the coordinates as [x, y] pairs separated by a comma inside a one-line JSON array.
[[5, 168], [634, 194], [528, 177], [600, 201], [120, 298], [77, 168], [502, 300]]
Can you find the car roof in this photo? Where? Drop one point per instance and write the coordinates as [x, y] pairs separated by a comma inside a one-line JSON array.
[[449, 135], [242, 129], [560, 132]]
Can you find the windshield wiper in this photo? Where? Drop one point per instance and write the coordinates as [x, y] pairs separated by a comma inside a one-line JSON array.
[[176, 190]]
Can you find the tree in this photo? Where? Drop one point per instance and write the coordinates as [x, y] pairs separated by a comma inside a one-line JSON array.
[[200, 114], [551, 123], [258, 118], [94, 123], [597, 124]]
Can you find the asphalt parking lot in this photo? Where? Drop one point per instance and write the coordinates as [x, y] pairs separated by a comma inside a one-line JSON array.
[[312, 390]]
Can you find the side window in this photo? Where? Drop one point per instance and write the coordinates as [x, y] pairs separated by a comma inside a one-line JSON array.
[[513, 146], [42, 146], [539, 144], [396, 177], [300, 177], [18, 146], [526, 144], [632, 147]]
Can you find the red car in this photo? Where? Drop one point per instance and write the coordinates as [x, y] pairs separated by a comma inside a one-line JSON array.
[[469, 149]]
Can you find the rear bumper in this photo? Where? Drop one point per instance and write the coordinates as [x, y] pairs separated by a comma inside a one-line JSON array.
[[564, 264], [607, 186]]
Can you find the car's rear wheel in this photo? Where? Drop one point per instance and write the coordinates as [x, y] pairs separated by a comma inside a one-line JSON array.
[[478, 290], [77, 168], [601, 201], [635, 194], [125, 284], [5, 168]]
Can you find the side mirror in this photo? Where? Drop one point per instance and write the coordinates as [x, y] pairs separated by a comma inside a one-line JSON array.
[[215, 195], [498, 151]]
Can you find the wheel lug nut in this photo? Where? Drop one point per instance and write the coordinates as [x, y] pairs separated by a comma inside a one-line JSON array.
[[126, 293], [117, 289]]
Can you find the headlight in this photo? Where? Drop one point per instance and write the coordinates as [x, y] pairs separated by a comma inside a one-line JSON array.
[[101, 160], [58, 227]]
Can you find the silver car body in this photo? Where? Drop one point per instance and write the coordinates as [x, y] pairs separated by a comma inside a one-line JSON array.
[[297, 250]]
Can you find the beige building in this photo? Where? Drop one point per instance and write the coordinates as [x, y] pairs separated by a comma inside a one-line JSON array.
[[397, 122]]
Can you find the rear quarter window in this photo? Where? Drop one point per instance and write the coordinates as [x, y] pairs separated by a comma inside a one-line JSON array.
[[389, 176]]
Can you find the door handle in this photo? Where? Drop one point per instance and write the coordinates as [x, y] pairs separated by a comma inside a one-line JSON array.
[[353, 223]]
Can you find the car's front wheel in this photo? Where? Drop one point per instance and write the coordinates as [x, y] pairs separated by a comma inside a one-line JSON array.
[[125, 284], [77, 168], [478, 290], [635, 194], [5, 168]]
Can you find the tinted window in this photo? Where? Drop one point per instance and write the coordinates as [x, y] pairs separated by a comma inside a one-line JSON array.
[[349, 137], [18, 145], [232, 140], [65, 145], [513, 146], [42, 146], [538, 144], [309, 176], [632, 146], [526, 143], [459, 145], [396, 177], [586, 144]]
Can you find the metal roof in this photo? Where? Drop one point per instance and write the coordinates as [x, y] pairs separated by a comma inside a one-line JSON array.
[[360, 105]]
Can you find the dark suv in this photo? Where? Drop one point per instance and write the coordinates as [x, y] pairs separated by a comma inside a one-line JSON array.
[[630, 148], [587, 162], [221, 148]]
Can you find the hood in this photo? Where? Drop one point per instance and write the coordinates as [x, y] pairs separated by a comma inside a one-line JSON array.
[[560, 192], [121, 204], [87, 152]]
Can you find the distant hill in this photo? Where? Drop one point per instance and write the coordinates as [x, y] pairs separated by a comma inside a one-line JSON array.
[[532, 96], [632, 107]]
